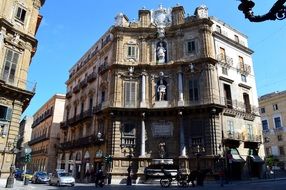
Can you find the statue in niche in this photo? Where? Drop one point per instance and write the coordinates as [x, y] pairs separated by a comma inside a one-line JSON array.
[[162, 91], [162, 149], [161, 53]]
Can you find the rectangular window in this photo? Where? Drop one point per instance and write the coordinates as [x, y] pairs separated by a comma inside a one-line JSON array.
[[277, 122], [236, 38], [218, 28], [230, 127], [246, 103], [21, 14], [194, 90], [191, 46], [130, 94], [131, 51], [281, 150], [243, 78], [5, 113], [222, 54], [250, 131], [262, 110], [227, 95], [275, 107], [10, 62], [224, 71], [264, 125], [102, 96]]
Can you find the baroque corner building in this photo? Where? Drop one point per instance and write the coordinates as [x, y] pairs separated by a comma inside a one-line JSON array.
[[19, 22], [165, 87]]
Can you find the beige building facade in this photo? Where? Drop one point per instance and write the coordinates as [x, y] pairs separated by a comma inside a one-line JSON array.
[[19, 21], [162, 90], [45, 134], [25, 131], [273, 118]]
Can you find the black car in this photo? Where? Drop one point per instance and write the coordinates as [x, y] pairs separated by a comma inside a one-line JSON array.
[[40, 177]]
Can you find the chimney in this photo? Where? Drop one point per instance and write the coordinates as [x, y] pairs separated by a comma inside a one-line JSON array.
[[178, 17], [144, 17]]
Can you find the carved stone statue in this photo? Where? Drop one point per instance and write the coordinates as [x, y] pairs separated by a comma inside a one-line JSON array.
[[162, 91], [161, 53]]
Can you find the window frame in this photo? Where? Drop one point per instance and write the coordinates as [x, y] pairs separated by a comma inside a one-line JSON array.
[[130, 94], [132, 51], [280, 122], [191, 46], [194, 90], [20, 14], [10, 66], [265, 120]]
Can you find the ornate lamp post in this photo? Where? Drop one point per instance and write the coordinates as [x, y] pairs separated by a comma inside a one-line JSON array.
[[10, 179], [27, 151], [198, 151], [277, 11]]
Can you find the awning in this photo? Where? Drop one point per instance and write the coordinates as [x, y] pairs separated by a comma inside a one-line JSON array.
[[256, 159]]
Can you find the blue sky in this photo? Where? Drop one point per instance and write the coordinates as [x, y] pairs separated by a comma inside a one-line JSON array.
[[70, 28]]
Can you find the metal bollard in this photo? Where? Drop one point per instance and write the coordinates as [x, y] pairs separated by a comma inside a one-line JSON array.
[[26, 181]]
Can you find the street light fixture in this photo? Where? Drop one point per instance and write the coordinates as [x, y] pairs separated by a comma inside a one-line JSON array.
[[198, 151], [10, 179], [277, 11]]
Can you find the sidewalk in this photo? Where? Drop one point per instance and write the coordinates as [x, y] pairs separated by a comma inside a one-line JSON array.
[[18, 185]]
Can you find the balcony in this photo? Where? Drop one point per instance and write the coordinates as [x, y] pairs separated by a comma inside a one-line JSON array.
[[78, 118], [225, 60], [244, 68], [64, 125], [91, 77], [83, 83], [102, 68], [69, 95], [38, 139], [251, 138], [233, 135], [42, 151], [76, 89], [83, 142], [101, 106], [19, 83]]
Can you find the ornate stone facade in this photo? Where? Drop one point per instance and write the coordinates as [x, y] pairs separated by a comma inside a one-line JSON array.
[[19, 21], [151, 90]]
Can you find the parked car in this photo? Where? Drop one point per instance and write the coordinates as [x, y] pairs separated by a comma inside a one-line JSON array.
[[60, 178], [28, 175], [18, 173], [40, 177]]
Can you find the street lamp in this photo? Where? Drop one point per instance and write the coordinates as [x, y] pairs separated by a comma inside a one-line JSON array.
[[129, 156], [277, 11], [198, 151], [27, 151], [10, 179]]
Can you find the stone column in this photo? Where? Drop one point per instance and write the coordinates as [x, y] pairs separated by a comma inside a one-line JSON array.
[[143, 90], [182, 136], [142, 154], [180, 89]]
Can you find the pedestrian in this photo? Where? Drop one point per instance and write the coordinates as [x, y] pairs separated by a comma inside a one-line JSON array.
[[128, 181], [99, 178], [221, 177]]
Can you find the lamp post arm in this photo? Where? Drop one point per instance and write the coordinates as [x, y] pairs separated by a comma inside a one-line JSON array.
[[277, 11]]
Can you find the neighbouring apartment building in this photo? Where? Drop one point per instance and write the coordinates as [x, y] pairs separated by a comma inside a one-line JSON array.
[[25, 131], [273, 118], [45, 134], [164, 89], [19, 22]]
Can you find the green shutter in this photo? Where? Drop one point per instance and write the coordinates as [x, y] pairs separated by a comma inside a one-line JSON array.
[[8, 114]]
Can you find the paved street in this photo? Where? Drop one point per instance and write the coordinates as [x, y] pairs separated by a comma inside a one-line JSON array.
[[277, 184]]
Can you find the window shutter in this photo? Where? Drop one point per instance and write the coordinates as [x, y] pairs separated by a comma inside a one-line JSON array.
[[8, 114], [127, 93], [132, 94]]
